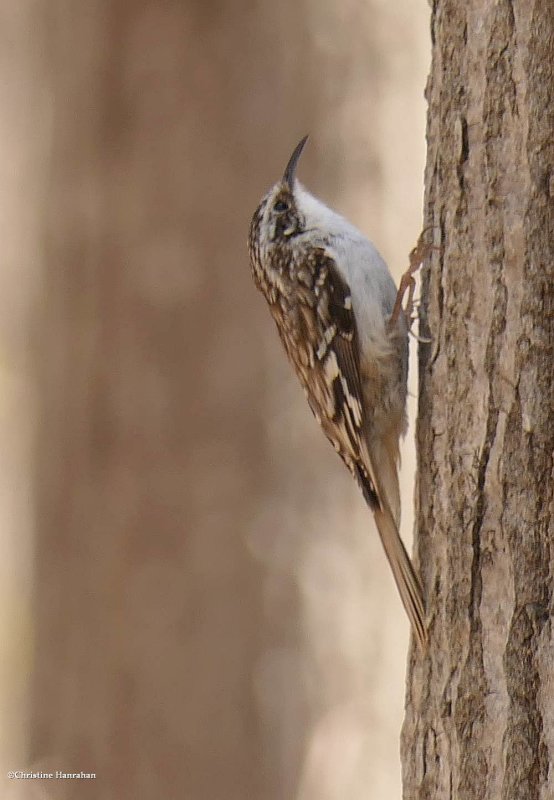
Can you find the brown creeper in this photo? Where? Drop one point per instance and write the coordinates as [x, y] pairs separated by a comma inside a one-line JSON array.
[[332, 296]]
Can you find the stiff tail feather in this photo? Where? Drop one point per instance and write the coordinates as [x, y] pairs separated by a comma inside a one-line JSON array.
[[403, 572], [380, 488]]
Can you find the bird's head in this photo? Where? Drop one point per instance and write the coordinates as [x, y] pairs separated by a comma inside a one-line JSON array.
[[279, 216]]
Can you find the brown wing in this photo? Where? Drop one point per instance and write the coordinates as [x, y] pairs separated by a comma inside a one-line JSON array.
[[330, 373], [349, 405], [318, 329]]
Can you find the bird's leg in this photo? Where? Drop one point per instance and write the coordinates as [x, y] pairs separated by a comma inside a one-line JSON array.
[[407, 282]]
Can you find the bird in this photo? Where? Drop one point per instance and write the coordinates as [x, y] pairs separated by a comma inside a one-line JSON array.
[[332, 298]]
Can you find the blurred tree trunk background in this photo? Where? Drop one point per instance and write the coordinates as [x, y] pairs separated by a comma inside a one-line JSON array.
[[196, 603], [480, 722]]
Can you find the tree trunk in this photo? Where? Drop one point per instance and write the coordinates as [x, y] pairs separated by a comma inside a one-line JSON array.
[[480, 716]]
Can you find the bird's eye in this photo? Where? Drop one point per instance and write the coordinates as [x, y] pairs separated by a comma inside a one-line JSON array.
[[281, 206]]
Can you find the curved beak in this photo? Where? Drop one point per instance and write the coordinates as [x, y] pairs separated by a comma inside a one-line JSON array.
[[289, 173]]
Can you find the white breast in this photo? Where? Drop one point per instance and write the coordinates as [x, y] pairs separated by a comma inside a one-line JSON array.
[[360, 264]]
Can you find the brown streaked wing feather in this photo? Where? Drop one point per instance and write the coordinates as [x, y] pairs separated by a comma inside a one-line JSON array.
[[335, 312]]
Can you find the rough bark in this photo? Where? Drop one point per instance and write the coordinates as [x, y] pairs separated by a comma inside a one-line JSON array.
[[480, 716]]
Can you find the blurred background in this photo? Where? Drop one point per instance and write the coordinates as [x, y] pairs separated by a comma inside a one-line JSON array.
[[193, 599]]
